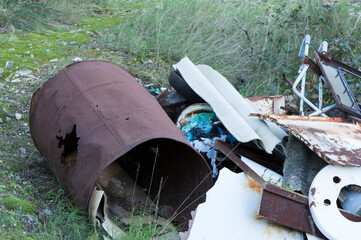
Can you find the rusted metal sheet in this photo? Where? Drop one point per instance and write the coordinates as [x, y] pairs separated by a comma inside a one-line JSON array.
[[335, 141], [269, 105], [93, 113], [288, 212]]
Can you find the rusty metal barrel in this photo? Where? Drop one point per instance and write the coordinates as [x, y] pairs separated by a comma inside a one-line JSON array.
[[93, 113]]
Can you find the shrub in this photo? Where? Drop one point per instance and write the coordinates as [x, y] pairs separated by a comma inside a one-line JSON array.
[[250, 42]]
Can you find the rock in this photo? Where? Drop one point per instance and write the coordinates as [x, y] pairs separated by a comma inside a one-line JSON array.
[[1, 72], [22, 150], [11, 49], [32, 220], [18, 116], [47, 212], [1, 121], [72, 43], [32, 55], [77, 59], [23, 72], [54, 60], [16, 80], [9, 64]]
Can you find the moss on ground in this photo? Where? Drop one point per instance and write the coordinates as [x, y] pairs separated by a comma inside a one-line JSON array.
[[14, 203]]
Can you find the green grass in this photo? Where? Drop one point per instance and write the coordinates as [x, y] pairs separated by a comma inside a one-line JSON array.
[[250, 42]]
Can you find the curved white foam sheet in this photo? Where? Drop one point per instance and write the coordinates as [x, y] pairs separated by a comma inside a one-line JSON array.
[[230, 107]]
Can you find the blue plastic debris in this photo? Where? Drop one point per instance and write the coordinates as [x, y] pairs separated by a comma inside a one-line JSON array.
[[202, 130], [202, 125]]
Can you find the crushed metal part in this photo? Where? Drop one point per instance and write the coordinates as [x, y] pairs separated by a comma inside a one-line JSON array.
[[289, 212], [277, 203], [93, 113], [268, 105], [172, 103], [335, 141]]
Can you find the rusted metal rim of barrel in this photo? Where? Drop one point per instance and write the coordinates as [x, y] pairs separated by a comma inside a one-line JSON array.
[[93, 113]]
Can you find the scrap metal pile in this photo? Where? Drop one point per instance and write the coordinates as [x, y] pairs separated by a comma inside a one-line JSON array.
[[116, 148]]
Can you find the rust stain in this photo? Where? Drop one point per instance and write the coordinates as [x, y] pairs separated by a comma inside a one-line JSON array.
[[274, 226], [313, 191], [268, 105], [256, 217], [268, 232], [274, 118], [254, 186], [312, 204]]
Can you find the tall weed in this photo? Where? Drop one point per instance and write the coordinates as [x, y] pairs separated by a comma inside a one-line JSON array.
[[32, 15], [250, 42]]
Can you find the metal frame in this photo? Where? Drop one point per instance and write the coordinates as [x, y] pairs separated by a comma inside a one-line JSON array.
[[300, 92], [333, 82]]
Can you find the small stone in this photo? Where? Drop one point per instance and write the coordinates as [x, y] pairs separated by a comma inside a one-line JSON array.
[[32, 220], [22, 150], [16, 80], [77, 59], [1, 72], [72, 43], [54, 60], [47, 212], [9, 64], [11, 49], [1, 121], [134, 11], [32, 55], [18, 116], [24, 72]]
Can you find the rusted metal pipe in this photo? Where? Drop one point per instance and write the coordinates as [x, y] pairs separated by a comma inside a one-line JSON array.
[[93, 113]]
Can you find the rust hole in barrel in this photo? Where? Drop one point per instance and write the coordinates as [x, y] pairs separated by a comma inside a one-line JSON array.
[[70, 153]]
